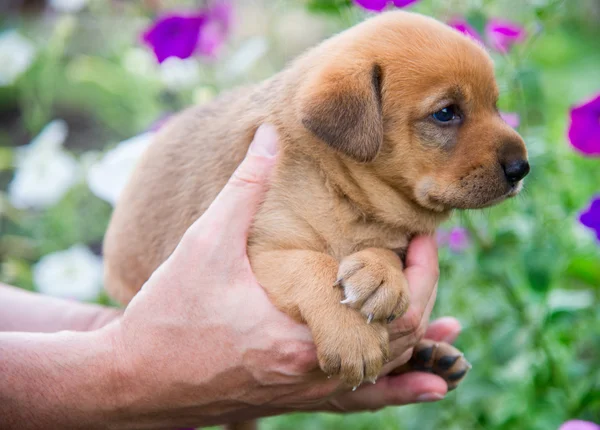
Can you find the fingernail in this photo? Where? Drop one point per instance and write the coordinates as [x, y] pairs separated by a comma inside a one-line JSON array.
[[429, 397], [265, 142]]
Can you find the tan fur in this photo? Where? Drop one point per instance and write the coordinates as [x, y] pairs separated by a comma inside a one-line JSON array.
[[363, 168]]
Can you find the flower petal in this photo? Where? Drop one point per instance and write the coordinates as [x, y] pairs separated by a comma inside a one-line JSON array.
[[107, 178], [16, 55], [44, 170], [511, 118], [404, 3], [579, 425], [459, 239], [379, 5], [502, 34], [374, 5], [591, 216], [584, 130], [174, 36], [75, 273], [216, 29], [464, 27]]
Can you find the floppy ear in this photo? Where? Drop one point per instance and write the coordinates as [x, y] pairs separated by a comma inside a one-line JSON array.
[[343, 108]]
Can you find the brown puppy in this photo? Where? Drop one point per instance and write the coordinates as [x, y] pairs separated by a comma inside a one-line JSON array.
[[385, 128]]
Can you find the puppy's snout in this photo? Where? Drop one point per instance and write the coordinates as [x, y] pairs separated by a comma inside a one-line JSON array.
[[515, 170], [513, 159]]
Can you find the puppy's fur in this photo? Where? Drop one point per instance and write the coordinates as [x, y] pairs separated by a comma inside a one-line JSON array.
[[364, 167]]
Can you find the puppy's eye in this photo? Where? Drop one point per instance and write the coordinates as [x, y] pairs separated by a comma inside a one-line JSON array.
[[447, 114]]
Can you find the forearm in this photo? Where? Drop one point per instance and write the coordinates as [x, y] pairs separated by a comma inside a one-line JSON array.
[[59, 380], [25, 311], [81, 380]]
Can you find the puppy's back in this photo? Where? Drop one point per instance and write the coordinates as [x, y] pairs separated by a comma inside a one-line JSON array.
[[183, 170]]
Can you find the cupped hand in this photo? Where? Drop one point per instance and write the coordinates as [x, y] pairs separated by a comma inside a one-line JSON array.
[[201, 343]]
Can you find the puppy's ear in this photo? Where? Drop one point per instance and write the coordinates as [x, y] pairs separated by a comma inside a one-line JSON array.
[[343, 108]]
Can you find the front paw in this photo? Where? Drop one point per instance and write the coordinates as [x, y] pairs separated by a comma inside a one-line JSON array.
[[374, 283], [355, 352]]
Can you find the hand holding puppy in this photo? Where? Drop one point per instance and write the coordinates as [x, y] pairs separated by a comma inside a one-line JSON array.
[[201, 343], [203, 337]]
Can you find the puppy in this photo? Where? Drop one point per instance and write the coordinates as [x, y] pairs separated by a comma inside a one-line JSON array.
[[385, 129]]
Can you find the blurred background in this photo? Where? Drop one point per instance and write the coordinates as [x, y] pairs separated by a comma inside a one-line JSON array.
[[85, 83]]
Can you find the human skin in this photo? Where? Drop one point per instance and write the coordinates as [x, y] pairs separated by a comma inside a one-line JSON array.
[[200, 344]]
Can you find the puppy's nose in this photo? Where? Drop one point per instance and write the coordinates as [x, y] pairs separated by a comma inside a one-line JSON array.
[[515, 170]]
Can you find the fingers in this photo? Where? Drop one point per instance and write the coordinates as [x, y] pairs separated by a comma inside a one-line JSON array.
[[422, 274], [422, 269], [235, 206], [413, 387], [445, 329]]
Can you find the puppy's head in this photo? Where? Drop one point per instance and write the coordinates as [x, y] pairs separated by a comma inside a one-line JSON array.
[[415, 100]]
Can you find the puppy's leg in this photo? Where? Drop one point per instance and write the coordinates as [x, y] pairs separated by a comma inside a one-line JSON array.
[[373, 282], [302, 284], [440, 358]]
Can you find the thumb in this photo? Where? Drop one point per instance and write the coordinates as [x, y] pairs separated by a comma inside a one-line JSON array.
[[231, 213]]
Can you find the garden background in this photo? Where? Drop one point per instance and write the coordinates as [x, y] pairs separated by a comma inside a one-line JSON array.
[[82, 91]]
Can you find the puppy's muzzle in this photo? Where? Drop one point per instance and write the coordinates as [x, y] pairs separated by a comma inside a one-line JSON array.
[[515, 170]]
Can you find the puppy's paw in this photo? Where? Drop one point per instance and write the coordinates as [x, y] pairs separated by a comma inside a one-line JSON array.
[[373, 282], [442, 359], [355, 352]]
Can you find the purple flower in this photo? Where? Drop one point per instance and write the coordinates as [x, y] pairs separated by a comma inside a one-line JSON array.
[[215, 31], [181, 36], [463, 26], [174, 36], [511, 118], [457, 239], [584, 131], [379, 5], [591, 216], [579, 425], [502, 34]]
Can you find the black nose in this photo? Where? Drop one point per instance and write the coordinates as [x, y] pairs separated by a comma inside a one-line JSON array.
[[516, 170]]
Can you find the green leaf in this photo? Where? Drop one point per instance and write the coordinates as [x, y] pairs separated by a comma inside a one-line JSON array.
[[331, 7], [585, 268]]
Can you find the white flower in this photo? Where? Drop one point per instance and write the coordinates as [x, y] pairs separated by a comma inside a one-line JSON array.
[[45, 172], [75, 273], [177, 74], [246, 57], [16, 55], [108, 177], [68, 6]]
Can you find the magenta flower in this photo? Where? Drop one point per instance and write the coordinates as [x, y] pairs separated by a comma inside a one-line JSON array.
[[591, 216], [464, 27], [511, 118], [214, 33], [457, 239], [379, 5], [174, 36], [502, 34], [181, 36], [584, 131], [579, 425]]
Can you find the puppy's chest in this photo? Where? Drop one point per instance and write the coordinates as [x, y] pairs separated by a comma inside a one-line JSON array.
[[362, 236]]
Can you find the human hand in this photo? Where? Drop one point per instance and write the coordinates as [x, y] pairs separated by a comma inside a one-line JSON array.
[[201, 343]]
